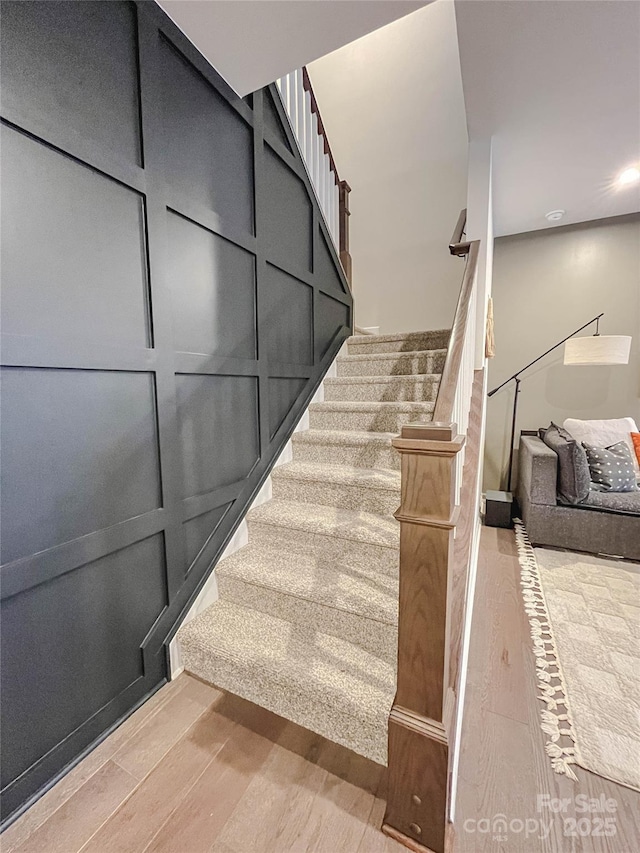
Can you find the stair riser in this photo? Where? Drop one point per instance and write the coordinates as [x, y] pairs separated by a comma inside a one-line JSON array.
[[366, 421], [372, 634], [395, 365], [360, 456], [437, 340], [341, 726], [398, 390], [326, 547], [379, 501]]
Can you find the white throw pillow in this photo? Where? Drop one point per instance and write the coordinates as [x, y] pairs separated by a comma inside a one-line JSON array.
[[604, 433]]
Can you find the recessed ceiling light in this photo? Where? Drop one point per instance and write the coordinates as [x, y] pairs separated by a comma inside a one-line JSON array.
[[629, 176], [554, 215]]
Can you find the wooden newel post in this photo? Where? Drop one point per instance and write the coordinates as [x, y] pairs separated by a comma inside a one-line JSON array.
[[344, 213], [418, 738]]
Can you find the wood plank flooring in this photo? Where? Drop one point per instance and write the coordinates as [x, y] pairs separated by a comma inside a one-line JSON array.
[[199, 771], [503, 765]]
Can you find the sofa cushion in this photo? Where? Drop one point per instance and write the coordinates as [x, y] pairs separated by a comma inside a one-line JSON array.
[[602, 433], [611, 468], [627, 503], [573, 469]]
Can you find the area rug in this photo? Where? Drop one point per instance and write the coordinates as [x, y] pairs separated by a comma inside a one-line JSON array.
[[584, 614]]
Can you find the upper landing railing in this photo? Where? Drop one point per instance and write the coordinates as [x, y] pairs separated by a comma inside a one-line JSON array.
[[306, 122]]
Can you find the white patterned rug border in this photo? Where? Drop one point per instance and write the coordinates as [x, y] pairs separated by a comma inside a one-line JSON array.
[[556, 719]]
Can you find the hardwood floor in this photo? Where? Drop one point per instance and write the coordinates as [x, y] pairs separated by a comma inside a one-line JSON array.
[[503, 765], [199, 770]]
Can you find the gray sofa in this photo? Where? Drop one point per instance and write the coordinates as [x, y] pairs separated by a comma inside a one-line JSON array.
[[606, 523]]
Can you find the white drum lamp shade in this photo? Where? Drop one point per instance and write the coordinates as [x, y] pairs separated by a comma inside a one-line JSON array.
[[598, 349]]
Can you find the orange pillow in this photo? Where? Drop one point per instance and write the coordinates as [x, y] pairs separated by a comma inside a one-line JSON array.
[[635, 437]]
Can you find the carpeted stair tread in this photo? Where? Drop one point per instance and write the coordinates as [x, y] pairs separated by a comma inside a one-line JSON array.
[[347, 447], [321, 682], [383, 377], [399, 336], [391, 363], [303, 576], [417, 408], [400, 341], [386, 356], [408, 387], [343, 524], [375, 490], [367, 478], [374, 417], [350, 437]]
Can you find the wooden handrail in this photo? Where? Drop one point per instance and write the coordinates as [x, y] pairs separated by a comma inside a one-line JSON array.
[[443, 411], [458, 246], [343, 226]]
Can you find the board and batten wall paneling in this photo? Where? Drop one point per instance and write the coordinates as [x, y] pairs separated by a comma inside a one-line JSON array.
[[171, 301], [545, 285]]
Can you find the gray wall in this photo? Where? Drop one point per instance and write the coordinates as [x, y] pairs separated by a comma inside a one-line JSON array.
[[545, 285]]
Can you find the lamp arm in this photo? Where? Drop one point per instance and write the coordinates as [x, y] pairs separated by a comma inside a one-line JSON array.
[[551, 349]]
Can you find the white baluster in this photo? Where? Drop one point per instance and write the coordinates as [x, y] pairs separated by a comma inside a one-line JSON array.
[[285, 93], [320, 186], [299, 107], [320, 183], [318, 157], [292, 104], [305, 125], [334, 208], [328, 180], [325, 185], [308, 136]]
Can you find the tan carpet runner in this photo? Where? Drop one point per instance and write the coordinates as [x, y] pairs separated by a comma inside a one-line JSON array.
[[306, 622]]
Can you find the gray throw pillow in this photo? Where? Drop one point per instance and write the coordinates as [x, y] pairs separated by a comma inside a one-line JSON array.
[[574, 479], [611, 468]]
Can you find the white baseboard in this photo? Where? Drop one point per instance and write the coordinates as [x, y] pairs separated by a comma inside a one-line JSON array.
[[464, 664], [209, 592]]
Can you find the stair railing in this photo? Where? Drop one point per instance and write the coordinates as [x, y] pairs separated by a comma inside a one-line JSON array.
[[302, 109], [438, 519]]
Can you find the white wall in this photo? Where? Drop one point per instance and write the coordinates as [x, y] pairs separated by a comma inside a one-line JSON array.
[[480, 227], [253, 42], [393, 109]]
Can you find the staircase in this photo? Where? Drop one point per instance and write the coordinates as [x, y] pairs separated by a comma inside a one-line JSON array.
[[306, 622]]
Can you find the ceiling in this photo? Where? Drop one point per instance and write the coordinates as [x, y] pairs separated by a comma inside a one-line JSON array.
[[557, 84], [254, 42]]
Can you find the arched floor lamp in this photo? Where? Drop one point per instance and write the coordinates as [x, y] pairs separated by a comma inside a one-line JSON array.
[[593, 350]]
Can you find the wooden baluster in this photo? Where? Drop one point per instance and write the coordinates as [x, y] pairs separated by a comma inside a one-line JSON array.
[[419, 739], [344, 214]]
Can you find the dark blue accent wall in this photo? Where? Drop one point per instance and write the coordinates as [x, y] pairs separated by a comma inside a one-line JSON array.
[[171, 301]]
